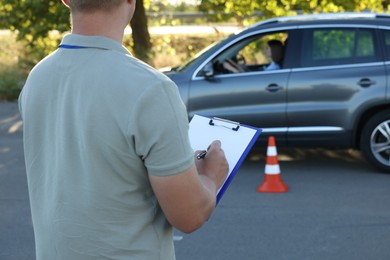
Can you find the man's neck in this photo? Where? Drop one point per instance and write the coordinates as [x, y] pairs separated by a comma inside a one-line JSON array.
[[98, 24]]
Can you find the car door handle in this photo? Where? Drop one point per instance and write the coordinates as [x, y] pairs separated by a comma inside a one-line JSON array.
[[273, 87], [365, 82]]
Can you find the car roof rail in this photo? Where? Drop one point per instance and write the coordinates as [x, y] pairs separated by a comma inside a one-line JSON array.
[[321, 16]]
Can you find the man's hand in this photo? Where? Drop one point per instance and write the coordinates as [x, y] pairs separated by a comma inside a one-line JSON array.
[[214, 165]]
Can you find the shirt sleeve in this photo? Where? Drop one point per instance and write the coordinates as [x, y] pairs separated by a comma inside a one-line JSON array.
[[161, 130]]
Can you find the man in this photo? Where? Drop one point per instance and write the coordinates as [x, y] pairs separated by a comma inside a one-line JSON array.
[[109, 165]]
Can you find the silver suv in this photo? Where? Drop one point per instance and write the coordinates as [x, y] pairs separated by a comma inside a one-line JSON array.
[[331, 88]]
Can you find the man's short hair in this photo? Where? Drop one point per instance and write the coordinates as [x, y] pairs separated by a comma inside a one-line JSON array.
[[275, 43], [277, 51], [93, 5]]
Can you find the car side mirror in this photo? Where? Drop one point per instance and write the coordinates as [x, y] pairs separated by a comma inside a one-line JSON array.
[[208, 70]]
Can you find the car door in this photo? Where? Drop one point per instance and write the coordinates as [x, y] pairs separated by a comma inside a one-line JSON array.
[[385, 33], [339, 72], [254, 97]]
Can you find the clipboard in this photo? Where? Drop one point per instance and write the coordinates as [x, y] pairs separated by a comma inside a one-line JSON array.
[[236, 139]]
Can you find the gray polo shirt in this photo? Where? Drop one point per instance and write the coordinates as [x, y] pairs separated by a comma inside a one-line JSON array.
[[96, 122]]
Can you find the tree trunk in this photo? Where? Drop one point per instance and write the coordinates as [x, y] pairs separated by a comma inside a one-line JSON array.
[[141, 37]]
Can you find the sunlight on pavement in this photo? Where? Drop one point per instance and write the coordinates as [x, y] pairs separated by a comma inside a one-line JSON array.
[[15, 127]]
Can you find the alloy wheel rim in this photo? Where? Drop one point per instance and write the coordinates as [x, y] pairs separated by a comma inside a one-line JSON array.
[[380, 143]]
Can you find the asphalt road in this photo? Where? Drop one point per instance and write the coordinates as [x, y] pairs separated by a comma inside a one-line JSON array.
[[337, 207]]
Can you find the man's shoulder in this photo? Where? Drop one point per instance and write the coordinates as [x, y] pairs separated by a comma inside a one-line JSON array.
[[139, 69]]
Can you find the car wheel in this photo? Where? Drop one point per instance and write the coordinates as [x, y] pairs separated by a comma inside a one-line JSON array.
[[375, 141]]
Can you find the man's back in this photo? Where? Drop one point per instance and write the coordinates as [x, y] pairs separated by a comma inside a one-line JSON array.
[[108, 158], [91, 115]]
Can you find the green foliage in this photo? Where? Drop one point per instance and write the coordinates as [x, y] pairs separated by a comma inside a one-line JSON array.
[[243, 11], [33, 19]]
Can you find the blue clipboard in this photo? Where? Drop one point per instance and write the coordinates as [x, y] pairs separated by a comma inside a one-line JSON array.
[[236, 139]]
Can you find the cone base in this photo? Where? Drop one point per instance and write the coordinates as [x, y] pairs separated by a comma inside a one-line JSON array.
[[272, 183]]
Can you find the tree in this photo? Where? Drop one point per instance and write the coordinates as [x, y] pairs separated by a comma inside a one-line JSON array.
[[140, 32]]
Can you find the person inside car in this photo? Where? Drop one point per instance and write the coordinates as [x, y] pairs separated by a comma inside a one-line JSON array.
[[274, 50]]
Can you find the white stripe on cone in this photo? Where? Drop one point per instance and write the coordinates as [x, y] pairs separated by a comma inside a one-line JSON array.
[[271, 151], [272, 169]]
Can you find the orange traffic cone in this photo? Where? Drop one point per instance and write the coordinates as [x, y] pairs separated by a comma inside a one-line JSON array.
[[272, 179]]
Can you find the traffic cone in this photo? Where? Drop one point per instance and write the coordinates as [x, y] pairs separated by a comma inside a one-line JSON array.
[[272, 179]]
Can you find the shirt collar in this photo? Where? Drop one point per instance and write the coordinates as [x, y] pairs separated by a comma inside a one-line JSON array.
[[99, 42]]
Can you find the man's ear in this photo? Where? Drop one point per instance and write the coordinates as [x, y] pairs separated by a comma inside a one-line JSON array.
[[66, 2]]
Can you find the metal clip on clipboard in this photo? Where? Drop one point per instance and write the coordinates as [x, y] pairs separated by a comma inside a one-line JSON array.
[[212, 122]]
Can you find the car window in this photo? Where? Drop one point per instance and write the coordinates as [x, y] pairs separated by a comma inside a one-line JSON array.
[[327, 47], [249, 54], [387, 44]]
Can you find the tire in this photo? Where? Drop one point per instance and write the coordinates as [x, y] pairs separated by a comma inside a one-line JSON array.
[[375, 141]]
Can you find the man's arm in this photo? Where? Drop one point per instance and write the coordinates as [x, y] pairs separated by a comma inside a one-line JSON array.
[[188, 198]]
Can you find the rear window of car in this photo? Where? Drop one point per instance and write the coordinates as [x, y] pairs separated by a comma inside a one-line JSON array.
[[387, 44], [338, 46]]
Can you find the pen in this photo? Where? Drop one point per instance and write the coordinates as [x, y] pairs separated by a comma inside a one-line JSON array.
[[201, 155]]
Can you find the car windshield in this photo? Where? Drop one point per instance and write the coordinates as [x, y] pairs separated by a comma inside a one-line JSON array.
[[194, 58]]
